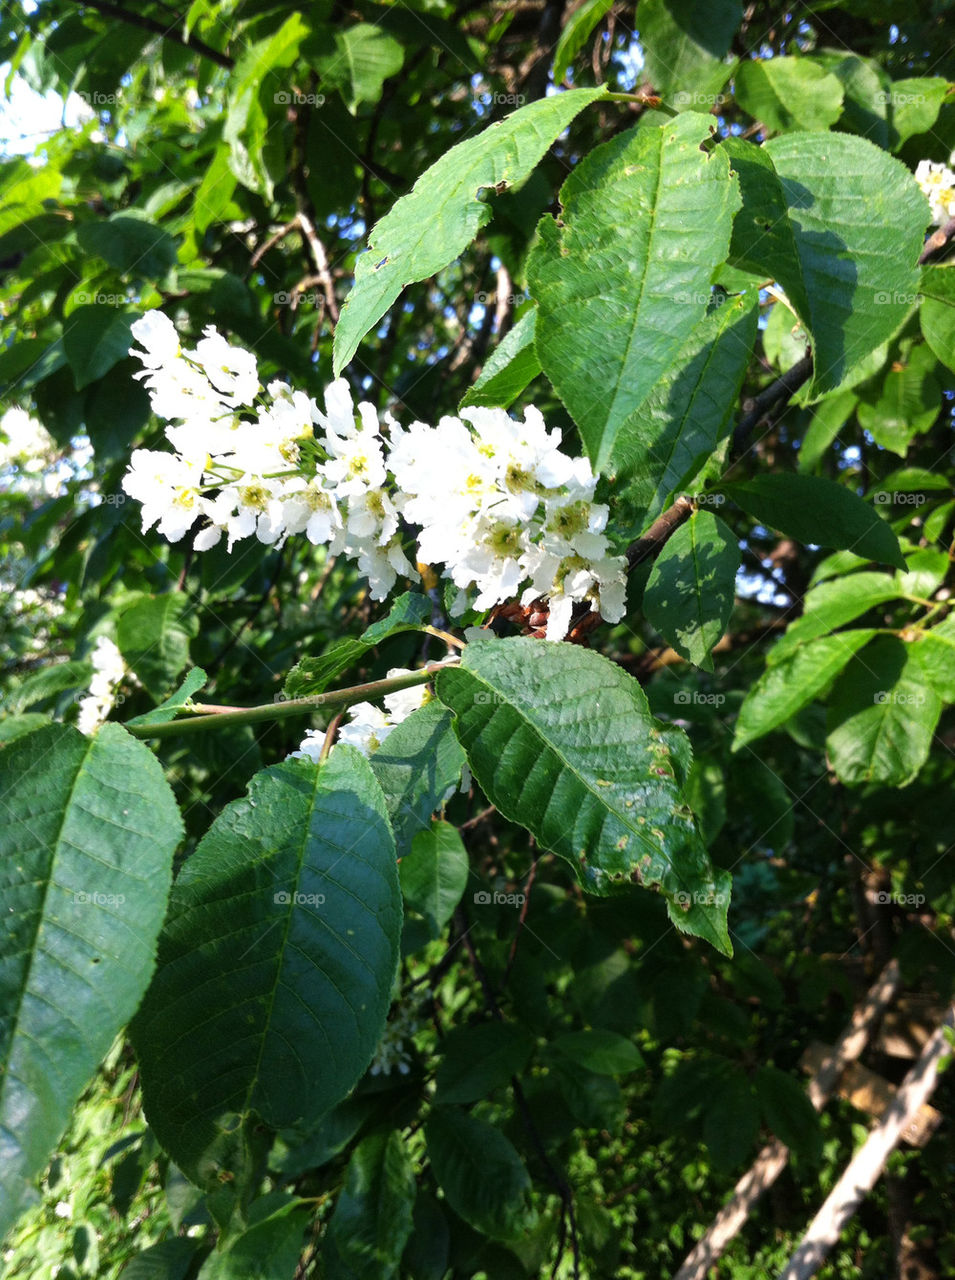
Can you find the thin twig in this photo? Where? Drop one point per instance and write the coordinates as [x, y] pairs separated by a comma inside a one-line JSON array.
[[162, 29]]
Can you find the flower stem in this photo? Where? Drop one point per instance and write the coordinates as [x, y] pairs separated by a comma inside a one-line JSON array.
[[205, 716]]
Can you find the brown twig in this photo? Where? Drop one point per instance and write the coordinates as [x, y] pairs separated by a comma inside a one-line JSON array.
[[937, 241], [776, 394], [162, 29]]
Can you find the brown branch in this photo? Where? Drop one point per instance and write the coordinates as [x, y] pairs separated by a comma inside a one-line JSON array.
[[773, 1158], [775, 395], [162, 29], [651, 543], [866, 1166], [937, 241]]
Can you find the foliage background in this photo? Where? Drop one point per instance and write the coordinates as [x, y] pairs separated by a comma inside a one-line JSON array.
[[230, 162]]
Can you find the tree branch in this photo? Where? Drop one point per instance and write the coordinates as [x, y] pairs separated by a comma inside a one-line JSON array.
[[162, 29]]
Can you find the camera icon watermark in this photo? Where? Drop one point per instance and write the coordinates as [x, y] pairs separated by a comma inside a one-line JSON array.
[[900, 499], [287, 98], [711, 898], [96, 899], [97, 99], [485, 898], [691, 697], [895, 298], [884, 899], [687, 99], [704, 499], [282, 898], [501, 99], [892, 696], [101, 299]]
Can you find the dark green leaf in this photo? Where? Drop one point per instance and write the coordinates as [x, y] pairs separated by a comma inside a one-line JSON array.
[[689, 595], [438, 219], [433, 876], [373, 1217], [882, 716], [562, 741], [623, 277], [813, 510], [477, 1060], [284, 926], [89, 831], [480, 1173]]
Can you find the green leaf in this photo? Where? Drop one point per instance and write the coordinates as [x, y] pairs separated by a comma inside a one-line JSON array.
[[687, 414], [153, 636], [831, 605], [132, 243], [575, 33], [684, 45], [47, 683], [882, 716], [477, 1060], [482, 1176], [434, 875], [623, 277], [840, 225], [269, 1249], [426, 1255], [605, 1052], [255, 81], [95, 338], [416, 766], [364, 58], [731, 1120], [373, 1217], [441, 215], [905, 404], [793, 682], [409, 612], [937, 312], [89, 830], [829, 416], [562, 741], [17, 726], [788, 1112], [866, 94], [691, 589], [788, 93], [169, 1260], [934, 652], [915, 105], [817, 511], [284, 926], [512, 365], [195, 679]]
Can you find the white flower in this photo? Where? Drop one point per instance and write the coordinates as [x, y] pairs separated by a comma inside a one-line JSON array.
[[168, 488], [158, 336], [108, 672], [938, 184], [368, 729], [232, 371]]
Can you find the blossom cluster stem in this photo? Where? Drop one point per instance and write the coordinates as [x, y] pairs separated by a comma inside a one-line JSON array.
[[204, 716]]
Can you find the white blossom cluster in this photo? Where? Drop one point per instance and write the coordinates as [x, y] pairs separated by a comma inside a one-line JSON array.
[[108, 672], [938, 184], [495, 501], [393, 1052], [368, 725]]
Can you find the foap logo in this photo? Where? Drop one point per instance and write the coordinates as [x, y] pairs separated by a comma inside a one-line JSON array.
[[484, 898], [282, 898]]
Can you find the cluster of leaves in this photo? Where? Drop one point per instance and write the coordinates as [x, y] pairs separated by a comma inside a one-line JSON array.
[[562, 1066]]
